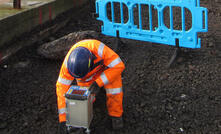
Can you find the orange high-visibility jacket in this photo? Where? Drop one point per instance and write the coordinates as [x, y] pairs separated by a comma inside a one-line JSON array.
[[103, 74]]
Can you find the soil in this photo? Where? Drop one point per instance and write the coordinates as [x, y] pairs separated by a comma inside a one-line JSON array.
[[185, 98]]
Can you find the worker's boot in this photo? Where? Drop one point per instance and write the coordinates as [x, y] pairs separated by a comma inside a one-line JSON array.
[[62, 128], [117, 123]]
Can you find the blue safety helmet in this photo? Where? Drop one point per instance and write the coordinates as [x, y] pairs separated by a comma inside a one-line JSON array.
[[80, 62]]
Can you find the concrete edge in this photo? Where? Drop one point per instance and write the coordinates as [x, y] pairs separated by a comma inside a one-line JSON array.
[[15, 25]]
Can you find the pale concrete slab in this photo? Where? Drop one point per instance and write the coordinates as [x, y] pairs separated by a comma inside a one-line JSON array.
[[14, 22], [6, 6]]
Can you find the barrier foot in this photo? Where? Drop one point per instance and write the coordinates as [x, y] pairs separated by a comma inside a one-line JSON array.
[[173, 57], [118, 42]]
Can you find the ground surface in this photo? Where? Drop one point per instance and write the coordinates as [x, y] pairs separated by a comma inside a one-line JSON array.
[[185, 98]]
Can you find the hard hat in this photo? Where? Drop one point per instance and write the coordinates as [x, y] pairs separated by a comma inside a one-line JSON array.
[[80, 62]]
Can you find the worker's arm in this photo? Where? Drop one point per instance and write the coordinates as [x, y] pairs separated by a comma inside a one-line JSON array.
[[113, 62], [63, 84]]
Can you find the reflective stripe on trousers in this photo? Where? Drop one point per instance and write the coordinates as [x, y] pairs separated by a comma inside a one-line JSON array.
[[113, 91], [62, 110]]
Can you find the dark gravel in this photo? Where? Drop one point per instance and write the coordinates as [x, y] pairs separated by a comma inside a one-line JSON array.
[[185, 98]]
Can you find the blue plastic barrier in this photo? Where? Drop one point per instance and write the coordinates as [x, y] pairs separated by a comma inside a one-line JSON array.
[[161, 32]]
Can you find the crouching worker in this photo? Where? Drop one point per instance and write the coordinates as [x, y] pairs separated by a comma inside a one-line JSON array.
[[91, 63]]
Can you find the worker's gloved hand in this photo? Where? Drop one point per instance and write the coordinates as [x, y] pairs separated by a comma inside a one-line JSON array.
[[117, 123], [62, 128], [94, 88]]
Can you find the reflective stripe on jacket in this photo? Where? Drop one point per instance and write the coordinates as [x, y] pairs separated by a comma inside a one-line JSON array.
[[103, 74]]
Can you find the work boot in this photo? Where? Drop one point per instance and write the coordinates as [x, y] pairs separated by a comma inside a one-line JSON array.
[[62, 128], [117, 123]]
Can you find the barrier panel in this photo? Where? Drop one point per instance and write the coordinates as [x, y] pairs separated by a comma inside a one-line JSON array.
[[171, 22]]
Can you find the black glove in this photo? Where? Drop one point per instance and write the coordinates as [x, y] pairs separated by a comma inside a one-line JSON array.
[[94, 88], [62, 128], [117, 123]]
